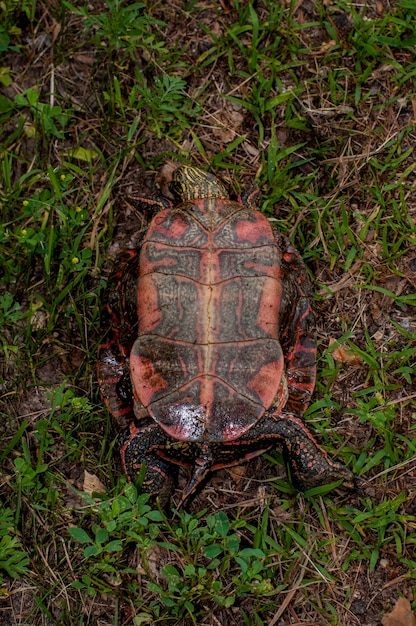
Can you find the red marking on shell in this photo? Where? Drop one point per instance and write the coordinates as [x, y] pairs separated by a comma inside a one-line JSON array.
[[260, 269], [148, 308], [264, 382], [176, 228], [256, 231], [147, 381], [267, 317]]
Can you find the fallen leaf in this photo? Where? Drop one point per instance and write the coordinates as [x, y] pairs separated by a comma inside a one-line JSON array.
[[238, 472], [39, 319], [165, 176], [342, 354], [351, 277], [401, 615], [228, 123], [325, 46], [84, 58], [251, 150], [92, 484], [155, 558], [82, 154]]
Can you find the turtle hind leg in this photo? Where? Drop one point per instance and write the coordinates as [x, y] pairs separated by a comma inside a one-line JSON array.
[[139, 446], [308, 463]]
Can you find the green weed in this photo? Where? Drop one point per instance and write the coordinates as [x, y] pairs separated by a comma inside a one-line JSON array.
[[14, 560], [122, 27], [210, 553], [167, 108]]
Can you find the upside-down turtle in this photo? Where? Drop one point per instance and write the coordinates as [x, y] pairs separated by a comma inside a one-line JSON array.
[[210, 354]]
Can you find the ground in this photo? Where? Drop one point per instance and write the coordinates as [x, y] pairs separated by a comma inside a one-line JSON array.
[[99, 102]]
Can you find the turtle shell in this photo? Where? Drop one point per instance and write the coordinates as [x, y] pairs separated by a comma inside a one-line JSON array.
[[207, 362]]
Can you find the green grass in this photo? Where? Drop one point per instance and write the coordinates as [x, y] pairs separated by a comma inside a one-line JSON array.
[[316, 102]]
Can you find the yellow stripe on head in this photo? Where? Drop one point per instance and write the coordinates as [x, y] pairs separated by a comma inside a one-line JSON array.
[[189, 183]]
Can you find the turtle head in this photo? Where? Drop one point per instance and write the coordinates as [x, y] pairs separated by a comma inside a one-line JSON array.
[[189, 183]]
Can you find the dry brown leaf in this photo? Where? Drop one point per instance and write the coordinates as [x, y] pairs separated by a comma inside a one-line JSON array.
[[156, 558], [39, 319], [87, 59], [56, 29], [238, 472], [325, 46], [401, 615], [251, 150], [165, 177], [342, 354], [349, 278], [230, 122], [92, 484]]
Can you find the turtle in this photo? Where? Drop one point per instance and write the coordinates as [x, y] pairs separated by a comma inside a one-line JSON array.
[[209, 356]]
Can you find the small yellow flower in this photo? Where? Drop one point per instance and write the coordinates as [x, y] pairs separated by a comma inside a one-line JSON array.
[[78, 209], [75, 260], [25, 203], [62, 176], [24, 231]]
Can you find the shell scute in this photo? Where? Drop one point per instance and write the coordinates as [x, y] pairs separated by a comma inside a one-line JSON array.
[[207, 410]]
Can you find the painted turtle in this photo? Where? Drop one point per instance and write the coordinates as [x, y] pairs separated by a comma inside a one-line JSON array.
[[210, 352]]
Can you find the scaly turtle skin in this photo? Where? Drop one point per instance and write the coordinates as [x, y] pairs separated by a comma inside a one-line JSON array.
[[210, 351]]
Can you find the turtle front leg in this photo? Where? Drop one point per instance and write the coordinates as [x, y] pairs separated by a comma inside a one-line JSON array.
[[118, 324], [139, 446]]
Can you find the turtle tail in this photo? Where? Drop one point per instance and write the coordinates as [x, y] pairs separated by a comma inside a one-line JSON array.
[[201, 469]]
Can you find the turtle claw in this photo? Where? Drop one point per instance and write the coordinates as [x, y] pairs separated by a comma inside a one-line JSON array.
[[201, 469], [324, 472], [358, 484]]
